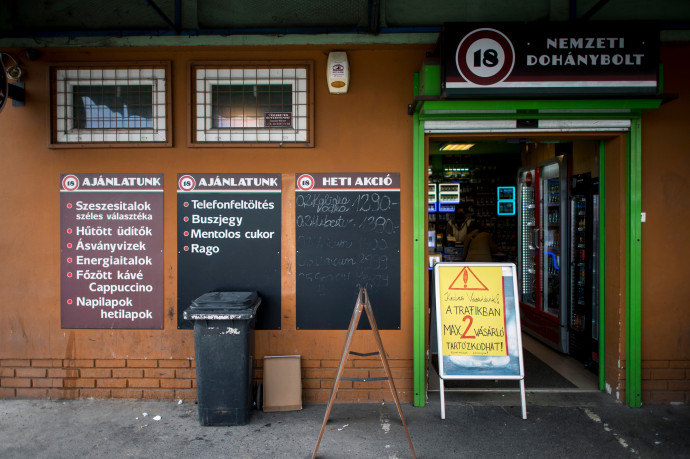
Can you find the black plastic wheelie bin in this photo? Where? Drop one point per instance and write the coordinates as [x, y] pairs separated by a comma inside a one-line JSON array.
[[223, 323]]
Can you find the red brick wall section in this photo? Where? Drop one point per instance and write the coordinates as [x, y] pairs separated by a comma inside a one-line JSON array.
[[135, 379], [318, 377], [665, 381], [98, 379]]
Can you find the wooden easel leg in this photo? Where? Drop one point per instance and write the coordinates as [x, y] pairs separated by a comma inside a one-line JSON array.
[[353, 325], [325, 420], [384, 361]]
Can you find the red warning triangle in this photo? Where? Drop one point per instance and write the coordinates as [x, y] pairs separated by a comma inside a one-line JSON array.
[[467, 280]]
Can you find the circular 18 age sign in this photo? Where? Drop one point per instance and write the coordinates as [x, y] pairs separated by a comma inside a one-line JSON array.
[[186, 183], [305, 182], [485, 57], [70, 183]]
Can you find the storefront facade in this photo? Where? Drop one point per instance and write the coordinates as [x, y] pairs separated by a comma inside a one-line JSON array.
[[367, 132]]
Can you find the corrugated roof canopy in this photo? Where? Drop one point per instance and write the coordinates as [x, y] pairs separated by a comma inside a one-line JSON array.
[[46, 20]]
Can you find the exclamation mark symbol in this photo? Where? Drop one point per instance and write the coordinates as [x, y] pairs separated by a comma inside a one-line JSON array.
[[465, 275]]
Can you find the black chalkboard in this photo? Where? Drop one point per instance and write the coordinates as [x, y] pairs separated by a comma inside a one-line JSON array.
[[228, 237], [347, 237]]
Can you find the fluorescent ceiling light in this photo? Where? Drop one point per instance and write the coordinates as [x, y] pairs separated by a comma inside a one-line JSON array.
[[456, 147]]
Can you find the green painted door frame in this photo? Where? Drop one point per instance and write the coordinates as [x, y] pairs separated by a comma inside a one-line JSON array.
[[427, 107], [602, 266], [419, 263], [633, 310]]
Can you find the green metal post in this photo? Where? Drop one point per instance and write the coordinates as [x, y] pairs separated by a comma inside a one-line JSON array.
[[602, 265], [418, 256], [633, 365]]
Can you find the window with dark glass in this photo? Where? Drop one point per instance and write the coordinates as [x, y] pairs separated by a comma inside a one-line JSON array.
[[251, 105], [252, 102], [124, 104], [113, 106]]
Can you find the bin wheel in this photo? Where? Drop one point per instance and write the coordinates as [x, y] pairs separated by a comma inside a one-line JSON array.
[[259, 397]]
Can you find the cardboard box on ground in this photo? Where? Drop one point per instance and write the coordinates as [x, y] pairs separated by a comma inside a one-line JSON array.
[[282, 386]]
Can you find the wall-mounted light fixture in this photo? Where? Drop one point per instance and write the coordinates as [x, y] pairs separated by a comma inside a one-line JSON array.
[[338, 72], [456, 146], [14, 91]]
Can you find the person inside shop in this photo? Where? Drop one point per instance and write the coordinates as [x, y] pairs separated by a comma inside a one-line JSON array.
[[479, 245], [458, 224]]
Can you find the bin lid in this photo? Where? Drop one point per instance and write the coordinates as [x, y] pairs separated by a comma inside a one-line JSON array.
[[224, 306], [226, 300]]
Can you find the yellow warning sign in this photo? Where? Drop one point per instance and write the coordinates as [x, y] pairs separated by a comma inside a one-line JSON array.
[[472, 310]]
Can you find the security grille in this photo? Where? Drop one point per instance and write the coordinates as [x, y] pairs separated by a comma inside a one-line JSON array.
[[263, 103], [105, 105]]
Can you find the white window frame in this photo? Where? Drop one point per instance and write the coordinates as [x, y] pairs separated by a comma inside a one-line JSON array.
[[297, 76], [63, 112]]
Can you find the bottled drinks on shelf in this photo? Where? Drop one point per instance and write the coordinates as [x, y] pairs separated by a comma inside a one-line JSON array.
[[476, 191]]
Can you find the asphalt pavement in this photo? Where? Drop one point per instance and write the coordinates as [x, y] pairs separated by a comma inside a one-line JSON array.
[[570, 424]]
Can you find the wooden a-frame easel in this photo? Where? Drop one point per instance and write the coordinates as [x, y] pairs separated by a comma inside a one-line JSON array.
[[363, 304]]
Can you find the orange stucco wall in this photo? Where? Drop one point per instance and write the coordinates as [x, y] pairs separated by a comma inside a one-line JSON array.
[[615, 279], [665, 242], [366, 130]]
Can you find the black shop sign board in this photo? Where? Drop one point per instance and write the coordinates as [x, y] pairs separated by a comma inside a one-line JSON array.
[[228, 239], [111, 251], [347, 238], [549, 59]]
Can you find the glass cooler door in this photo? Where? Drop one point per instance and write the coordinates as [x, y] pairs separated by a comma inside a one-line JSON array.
[[527, 237], [542, 262], [551, 224], [578, 290]]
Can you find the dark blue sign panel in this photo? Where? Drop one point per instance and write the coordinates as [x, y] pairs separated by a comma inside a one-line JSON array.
[[228, 239]]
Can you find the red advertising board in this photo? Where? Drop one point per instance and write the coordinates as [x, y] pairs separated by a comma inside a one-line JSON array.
[[111, 251]]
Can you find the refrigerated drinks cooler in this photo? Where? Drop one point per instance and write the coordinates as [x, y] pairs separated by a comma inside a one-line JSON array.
[[558, 259], [543, 252], [583, 317]]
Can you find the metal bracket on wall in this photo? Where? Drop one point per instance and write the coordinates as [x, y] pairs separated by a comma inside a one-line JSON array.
[[15, 91]]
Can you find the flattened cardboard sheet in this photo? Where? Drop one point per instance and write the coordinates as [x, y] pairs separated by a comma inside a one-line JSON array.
[[282, 383]]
